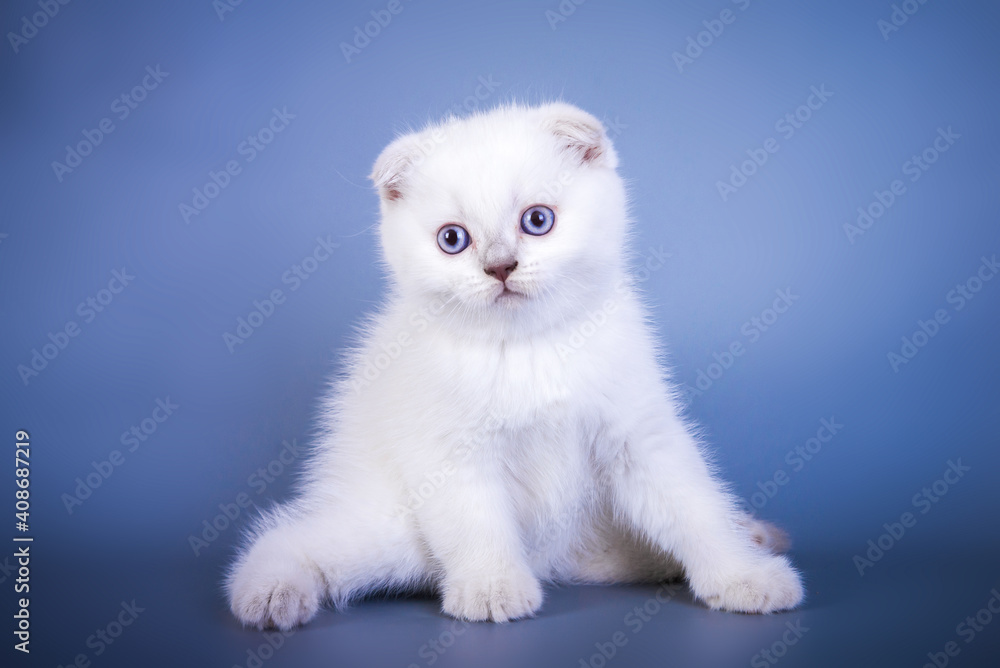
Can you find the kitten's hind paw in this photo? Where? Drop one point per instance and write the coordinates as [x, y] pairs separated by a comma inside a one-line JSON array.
[[769, 584], [498, 598], [273, 595]]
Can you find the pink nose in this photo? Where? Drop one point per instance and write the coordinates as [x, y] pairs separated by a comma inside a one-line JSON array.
[[501, 272]]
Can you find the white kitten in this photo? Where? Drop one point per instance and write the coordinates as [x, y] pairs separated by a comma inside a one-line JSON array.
[[505, 421]]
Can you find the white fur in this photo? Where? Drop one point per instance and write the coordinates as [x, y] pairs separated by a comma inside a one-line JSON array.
[[482, 444]]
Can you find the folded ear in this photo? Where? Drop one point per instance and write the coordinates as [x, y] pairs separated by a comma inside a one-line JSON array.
[[579, 133], [394, 164]]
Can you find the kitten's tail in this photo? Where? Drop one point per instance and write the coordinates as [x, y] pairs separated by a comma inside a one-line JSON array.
[[765, 534]]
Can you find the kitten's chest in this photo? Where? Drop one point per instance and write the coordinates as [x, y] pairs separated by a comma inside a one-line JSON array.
[[521, 383]]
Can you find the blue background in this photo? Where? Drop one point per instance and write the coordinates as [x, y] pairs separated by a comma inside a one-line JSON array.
[[678, 129]]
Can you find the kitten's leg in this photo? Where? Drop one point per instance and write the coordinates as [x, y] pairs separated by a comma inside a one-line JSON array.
[[469, 527], [310, 553], [663, 486]]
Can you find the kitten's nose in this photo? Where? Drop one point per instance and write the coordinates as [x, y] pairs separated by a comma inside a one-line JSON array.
[[501, 272]]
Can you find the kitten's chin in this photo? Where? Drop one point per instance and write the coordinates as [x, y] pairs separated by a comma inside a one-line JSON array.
[[508, 298]]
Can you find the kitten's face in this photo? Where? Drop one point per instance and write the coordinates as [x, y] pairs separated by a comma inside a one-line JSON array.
[[515, 214]]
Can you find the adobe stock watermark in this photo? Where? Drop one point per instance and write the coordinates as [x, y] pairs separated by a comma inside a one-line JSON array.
[[7, 569], [769, 656], [427, 142], [131, 439], [103, 638], [797, 459], [923, 501], [553, 531], [653, 261], [213, 527], [900, 14], [273, 641], [485, 88], [787, 126], [381, 18], [293, 277], [223, 7], [435, 647], [967, 630], [614, 128], [563, 11], [122, 107], [434, 480], [375, 362], [248, 149], [752, 330], [914, 168], [549, 191], [696, 44], [958, 297], [636, 619], [88, 311], [32, 23]]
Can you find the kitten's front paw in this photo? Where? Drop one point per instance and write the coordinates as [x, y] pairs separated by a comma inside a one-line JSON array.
[[499, 598], [273, 592], [767, 584]]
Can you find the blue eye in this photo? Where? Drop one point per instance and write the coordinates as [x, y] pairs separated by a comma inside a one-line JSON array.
[[538, 220], [453, 239]]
